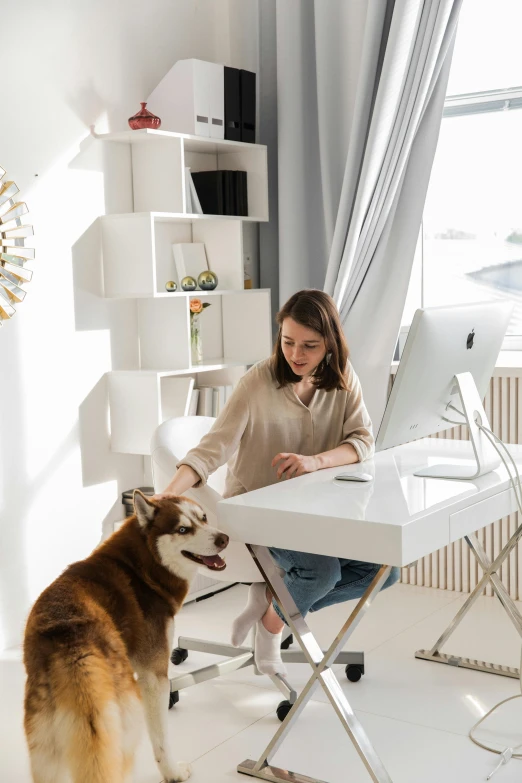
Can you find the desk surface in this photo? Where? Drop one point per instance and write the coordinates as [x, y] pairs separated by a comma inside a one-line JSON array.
[[394, 519]]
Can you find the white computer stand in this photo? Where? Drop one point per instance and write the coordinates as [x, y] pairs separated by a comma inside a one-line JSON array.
[[474, 414]]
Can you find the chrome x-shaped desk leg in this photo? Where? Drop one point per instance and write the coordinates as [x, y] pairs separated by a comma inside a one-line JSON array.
[[322, 673], [490, 569]]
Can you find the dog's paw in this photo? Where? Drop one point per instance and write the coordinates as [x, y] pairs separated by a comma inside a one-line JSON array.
[[182, 771]]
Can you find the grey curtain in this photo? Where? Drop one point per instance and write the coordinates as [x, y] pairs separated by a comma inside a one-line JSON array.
[[310, 57], [360, 92]]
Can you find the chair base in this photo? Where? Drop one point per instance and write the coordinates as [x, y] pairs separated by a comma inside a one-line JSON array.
[[238, 657]]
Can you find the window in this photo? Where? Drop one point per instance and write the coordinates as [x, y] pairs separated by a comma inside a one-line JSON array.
[[470, 244]]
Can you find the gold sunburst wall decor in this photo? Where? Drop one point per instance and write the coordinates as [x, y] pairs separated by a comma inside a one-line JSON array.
[[14, 255]]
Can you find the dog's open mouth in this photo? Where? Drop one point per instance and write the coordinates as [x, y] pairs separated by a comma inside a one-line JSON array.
[[214, 562]]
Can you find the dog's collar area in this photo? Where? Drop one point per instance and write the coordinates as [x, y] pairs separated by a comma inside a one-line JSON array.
[[213, 562]]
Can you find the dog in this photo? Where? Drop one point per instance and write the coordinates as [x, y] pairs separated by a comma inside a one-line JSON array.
[[97, 646]]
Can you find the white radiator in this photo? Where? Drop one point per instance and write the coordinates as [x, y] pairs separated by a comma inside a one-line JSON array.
[[454, 567]]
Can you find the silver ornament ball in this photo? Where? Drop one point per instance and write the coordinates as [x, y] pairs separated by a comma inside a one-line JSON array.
[[207, 280], [189, 283]]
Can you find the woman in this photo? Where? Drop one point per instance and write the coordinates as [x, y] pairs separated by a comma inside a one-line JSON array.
[[299, 411]]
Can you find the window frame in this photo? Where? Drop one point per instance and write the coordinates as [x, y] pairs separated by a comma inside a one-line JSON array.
[[469, 104]]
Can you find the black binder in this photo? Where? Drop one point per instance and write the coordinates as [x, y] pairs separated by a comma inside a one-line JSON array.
[[241, 191], [232, 104], [247, 83], [229, 193], [222, 192], [209, 187]]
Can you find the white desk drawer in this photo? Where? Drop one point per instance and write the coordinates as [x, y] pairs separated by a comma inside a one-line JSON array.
[[482, 513]]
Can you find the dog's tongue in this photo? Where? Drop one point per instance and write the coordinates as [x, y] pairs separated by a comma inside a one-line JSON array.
[[213, 561]]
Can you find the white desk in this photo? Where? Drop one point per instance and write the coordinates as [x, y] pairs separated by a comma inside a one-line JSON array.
[[393, 520]]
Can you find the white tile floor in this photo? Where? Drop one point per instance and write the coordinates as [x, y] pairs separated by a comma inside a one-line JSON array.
[[417, 714]]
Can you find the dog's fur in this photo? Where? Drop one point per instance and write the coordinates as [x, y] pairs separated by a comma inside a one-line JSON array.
[[98, 641]]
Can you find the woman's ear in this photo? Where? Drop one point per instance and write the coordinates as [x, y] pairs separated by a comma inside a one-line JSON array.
[[143, 508]]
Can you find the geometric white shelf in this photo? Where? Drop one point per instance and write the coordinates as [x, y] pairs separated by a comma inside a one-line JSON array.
[[137, 251], [192, 143], [137, 262], [139, 402], [159, 159], [236, 329]]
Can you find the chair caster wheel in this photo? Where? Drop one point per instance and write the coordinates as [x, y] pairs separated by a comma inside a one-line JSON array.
[[285, 644], [178, 655], [173, 698], [354, 671], [283, 708]]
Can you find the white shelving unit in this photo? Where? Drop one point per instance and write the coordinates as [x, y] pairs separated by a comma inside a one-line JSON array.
[[137, 251], [234, 329], [141, 399], [159, 159], [137, 262]]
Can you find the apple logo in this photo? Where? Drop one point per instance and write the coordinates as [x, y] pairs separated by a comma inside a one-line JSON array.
[[469, 341]]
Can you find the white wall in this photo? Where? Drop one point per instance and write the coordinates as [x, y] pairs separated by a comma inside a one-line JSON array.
[[73, 65]]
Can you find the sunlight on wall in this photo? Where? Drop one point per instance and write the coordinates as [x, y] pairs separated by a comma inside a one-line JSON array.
[[59, 480], [64, 479], [58, 529], [67, 203]]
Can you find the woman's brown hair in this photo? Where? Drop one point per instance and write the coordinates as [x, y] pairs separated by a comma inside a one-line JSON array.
[[315, 310]]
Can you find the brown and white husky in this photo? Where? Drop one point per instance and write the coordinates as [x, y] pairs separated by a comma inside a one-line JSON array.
[[97, 646]]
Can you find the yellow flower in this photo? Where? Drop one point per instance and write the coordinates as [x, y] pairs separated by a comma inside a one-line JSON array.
[[196, 306]]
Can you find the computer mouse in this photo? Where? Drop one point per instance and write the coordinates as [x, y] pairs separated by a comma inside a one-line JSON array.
[[354, 477]]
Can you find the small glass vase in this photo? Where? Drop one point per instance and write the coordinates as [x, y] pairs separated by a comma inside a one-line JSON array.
[[144, 119], [196, 348]]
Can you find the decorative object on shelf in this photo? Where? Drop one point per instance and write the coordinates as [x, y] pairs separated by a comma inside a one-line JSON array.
[[171, 286], [144, 119], [191, 98], [222, 192], [207, 280], [190, 259], [247, 272], [240, 104], [192, 207], [196, 349], [13, 253], [189, 283]]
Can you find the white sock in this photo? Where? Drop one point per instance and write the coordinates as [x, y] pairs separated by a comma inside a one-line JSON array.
[[257, 605], [267, 651]]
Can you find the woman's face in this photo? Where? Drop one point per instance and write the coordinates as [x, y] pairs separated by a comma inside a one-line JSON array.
[[302, 348]]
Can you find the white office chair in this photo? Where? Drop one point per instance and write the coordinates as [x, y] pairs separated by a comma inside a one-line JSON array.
[[170, 442]]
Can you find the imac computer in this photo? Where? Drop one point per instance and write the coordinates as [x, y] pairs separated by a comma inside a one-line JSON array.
[[442, 378]]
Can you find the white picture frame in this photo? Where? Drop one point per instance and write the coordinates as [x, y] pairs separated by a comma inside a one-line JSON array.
[[189, 209], [195, 204], [190, 258]]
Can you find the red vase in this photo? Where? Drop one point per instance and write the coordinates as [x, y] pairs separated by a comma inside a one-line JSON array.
[[144, 119]]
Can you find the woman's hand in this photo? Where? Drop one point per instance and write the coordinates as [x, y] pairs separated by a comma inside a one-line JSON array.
[[184, 479], [292, 465]]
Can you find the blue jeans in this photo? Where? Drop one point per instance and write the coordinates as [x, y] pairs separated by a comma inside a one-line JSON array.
[[316, 581]]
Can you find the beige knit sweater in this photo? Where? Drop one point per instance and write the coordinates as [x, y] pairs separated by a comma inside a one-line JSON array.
[[260, 420]]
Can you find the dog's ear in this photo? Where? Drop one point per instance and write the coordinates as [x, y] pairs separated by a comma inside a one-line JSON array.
[[143, 508]]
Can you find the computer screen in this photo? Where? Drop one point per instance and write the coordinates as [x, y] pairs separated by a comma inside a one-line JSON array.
[[442, 342]]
